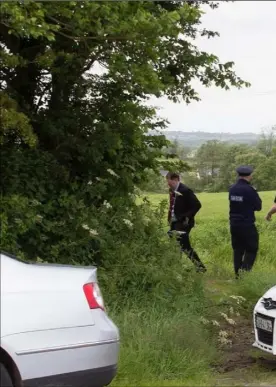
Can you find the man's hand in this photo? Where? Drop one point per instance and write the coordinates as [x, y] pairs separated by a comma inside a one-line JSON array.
[[185, 222], [268, 217], [271, 212]]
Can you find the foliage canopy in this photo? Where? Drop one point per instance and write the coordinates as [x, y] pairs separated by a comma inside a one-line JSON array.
[[75, 80]]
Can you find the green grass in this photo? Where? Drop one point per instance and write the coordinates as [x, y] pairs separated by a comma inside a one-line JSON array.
[[170, 346], [212, 238], [216, 204]]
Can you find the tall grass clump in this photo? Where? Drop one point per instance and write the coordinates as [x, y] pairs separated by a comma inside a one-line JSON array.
[[157, 300], [160, 303]]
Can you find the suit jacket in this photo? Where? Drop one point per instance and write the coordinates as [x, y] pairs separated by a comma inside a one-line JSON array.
[[186, 206]]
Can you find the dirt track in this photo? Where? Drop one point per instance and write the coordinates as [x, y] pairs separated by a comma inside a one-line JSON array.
[[241, 365]]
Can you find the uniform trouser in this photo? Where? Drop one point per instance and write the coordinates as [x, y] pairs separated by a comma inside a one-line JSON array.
[[245, 244], [184, 241]]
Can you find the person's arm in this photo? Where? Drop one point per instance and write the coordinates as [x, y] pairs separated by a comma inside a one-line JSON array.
[[271, 211], [256, 200], [194, 204]]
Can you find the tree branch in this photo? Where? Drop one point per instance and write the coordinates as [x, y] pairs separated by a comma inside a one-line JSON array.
[[6, 25], [83, 38], [47, 87], [52, 18], [9, 40]]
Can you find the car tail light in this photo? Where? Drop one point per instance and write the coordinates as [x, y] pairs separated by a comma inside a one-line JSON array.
[[93, 295]]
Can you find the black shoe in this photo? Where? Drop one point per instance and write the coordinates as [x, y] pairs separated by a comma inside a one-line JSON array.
[[201, 269]]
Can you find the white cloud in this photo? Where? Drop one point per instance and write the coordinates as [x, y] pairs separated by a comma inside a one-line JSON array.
[[247, 37]]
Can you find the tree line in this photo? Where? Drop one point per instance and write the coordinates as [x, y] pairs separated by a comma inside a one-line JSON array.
[[212, 166]]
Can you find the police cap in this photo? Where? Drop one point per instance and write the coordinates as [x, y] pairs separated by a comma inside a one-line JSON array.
[[244, 171]]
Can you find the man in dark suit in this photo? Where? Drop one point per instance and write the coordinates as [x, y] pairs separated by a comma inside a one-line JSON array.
[[183, 208]]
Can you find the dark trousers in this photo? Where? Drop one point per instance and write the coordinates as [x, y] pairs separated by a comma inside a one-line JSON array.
[[184, 241], [245, 244]]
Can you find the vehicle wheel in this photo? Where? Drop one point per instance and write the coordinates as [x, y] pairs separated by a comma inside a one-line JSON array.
[[5, 379]]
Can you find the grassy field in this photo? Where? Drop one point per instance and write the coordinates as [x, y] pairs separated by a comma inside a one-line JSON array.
[[211, 236], [193, 344]]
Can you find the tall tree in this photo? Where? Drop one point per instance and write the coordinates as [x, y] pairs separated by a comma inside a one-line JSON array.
[[209, 158], [267, 141], [65, 124]]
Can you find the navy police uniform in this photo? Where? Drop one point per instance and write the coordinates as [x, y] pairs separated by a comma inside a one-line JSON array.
[[244, 201]]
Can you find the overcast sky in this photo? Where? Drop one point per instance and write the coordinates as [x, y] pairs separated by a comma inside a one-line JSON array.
[[247, 37]]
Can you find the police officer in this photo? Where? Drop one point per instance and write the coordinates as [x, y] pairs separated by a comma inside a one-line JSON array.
[[244, 201]]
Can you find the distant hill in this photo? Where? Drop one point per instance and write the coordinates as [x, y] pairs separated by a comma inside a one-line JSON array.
[[195, 139]]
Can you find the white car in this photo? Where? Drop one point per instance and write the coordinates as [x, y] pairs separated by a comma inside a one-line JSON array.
[[264, 322], [54, 328]]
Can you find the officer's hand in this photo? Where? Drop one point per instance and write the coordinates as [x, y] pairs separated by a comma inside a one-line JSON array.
[[268, 217]]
